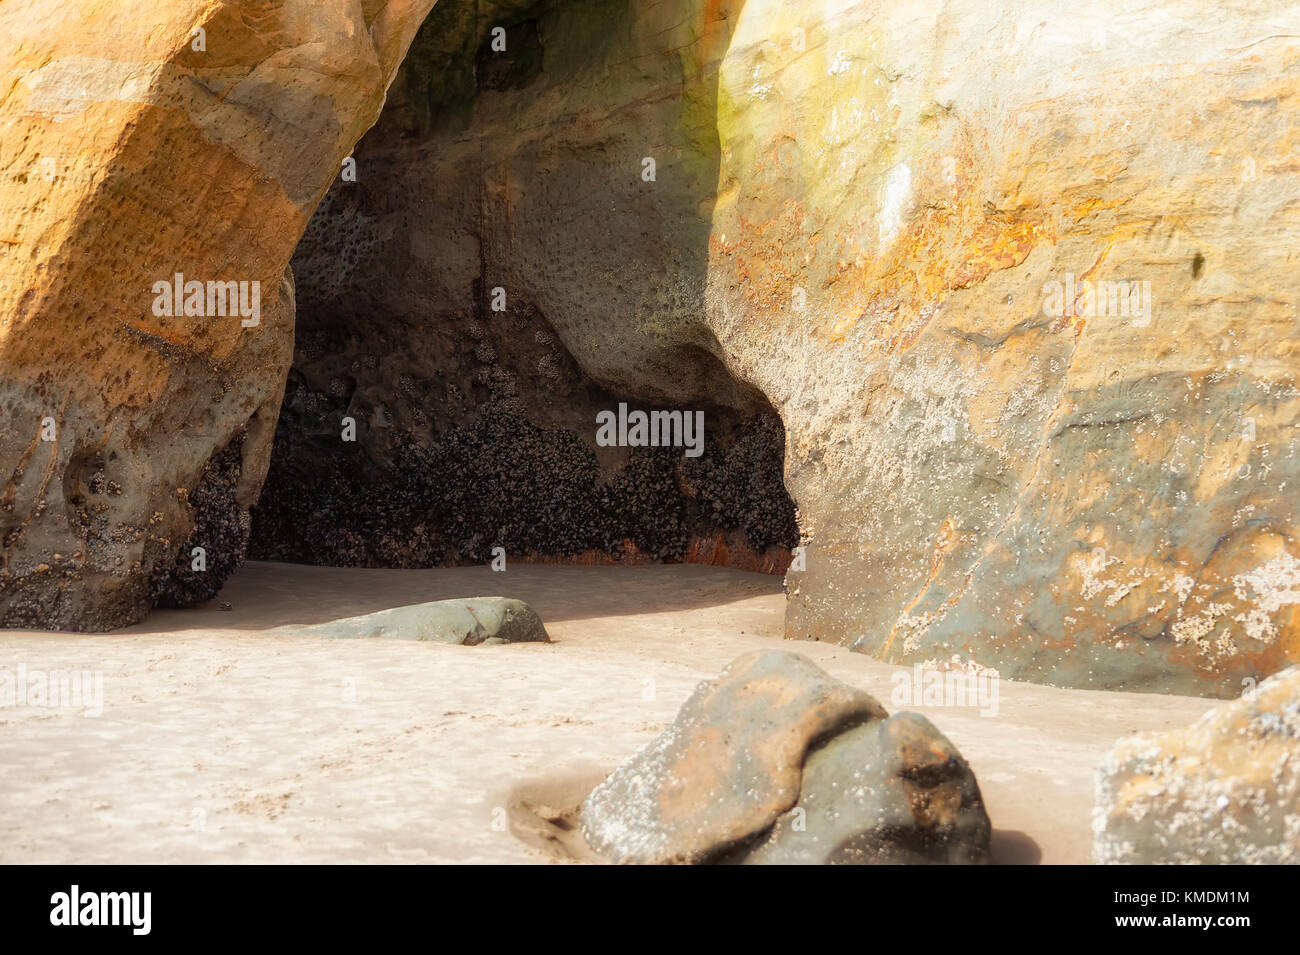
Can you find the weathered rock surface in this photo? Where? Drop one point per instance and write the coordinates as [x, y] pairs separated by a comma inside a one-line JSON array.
[[857, 215], [136, 148], [775, 740], [471, 621], [856, 211], [1225, 790], [1103, 499], [892, 792]]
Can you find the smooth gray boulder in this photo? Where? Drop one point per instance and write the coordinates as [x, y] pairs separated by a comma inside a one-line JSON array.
[[470, 621]]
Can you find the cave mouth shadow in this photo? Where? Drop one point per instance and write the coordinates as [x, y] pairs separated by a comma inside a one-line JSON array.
[[454, 345], [266, 595]]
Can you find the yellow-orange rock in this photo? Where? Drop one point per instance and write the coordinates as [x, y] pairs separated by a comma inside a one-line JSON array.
[[1106, 498], [141, 140]]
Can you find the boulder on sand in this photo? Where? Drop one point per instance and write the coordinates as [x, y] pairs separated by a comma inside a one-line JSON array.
[[1225, 790], [742, 748], [470, 621], [895, 791]]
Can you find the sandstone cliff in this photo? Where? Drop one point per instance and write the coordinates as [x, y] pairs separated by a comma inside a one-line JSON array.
[[873, 215], [142, 140]]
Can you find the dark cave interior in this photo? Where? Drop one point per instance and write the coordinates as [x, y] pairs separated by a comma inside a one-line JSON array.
[[475, 429]]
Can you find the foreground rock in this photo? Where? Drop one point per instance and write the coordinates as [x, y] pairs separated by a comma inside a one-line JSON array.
[[743, 747], [729, 764], [1225, 790], [471, 622], [892, 792]]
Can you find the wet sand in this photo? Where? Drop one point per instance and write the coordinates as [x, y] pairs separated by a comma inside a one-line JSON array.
[[221, 743]]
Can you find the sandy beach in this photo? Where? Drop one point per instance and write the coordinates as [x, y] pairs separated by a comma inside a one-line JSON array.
[[220, 743]]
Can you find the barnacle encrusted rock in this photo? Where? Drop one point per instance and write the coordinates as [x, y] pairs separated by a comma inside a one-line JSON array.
[[469, 621], [1225, 790], [775, 761]]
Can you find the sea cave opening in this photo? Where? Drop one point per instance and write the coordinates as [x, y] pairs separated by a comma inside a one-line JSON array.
[[492, 270]]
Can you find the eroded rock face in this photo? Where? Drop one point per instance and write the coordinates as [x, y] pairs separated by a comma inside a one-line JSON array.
[[874, 215], [1079, 496], [776, 762], [137, 148], [505, 463], [873, 219], [1225, 790]]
